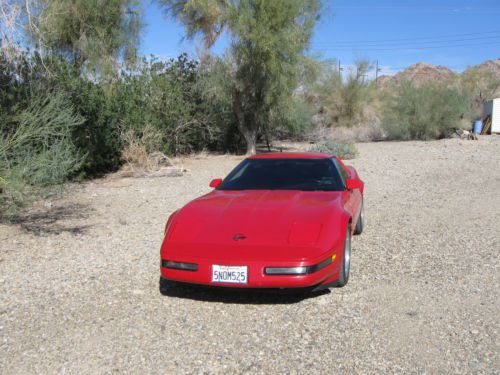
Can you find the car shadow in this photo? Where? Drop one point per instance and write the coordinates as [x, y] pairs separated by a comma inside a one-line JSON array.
[[241, 296]]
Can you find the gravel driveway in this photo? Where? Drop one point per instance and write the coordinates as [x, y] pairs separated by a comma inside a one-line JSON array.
[[79, 279]]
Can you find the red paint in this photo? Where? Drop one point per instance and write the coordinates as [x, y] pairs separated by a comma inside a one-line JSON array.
[[282, 228], [215, 183], [353, 183]]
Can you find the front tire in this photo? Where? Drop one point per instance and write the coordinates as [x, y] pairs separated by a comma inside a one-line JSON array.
[[346, 261]]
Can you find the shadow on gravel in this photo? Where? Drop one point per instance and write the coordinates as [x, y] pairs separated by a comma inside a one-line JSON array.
[[55, 220], [240, 296]]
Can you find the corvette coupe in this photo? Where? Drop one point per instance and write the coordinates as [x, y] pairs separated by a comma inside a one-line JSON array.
[[278, 220]]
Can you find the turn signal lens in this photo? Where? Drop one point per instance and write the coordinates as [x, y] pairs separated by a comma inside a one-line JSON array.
[[286, 270], [179, 265], [297, 270]]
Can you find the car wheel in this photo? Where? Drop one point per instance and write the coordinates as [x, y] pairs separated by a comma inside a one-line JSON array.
[[165, 286], [361, 221], [346, 261]]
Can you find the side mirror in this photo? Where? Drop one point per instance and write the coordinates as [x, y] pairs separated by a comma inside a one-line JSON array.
[[215, 183], [352, 184]]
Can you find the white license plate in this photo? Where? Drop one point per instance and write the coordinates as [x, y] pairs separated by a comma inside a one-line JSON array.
[[229, 274]]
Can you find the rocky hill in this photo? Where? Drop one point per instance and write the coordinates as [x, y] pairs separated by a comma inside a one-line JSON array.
[[422, 73], [490, 68]]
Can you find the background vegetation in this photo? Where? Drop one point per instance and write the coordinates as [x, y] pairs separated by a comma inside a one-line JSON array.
[[77, 101], [431, 111]]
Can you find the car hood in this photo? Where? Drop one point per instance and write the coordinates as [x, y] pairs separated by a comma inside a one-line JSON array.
[[274, 223]]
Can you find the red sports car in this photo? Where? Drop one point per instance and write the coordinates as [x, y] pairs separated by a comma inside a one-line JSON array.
[[278, 220]]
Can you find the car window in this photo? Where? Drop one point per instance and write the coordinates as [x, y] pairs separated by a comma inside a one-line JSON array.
[[284, 174], [343, 173]]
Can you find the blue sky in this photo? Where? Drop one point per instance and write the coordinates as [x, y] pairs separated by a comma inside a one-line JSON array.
[[397, 33]]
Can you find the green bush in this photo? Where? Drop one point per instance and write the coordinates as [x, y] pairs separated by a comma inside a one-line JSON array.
[[36, 150], [178, 98], [98, 137], [187, 103], [341, 149], [292, 119], [430, 111]]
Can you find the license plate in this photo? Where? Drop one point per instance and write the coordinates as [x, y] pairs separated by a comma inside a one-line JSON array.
[[229, 274]]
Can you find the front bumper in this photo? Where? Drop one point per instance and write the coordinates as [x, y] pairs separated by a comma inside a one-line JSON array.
[[257, 277]]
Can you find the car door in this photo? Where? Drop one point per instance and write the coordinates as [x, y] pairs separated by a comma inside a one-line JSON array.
[[352, 198]]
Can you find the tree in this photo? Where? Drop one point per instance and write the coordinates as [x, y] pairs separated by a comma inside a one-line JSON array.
[[94, 34], [482, 85], [10, 14], [268, 39]]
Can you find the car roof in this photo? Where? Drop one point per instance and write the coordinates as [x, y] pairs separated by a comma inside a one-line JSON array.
[[292, 155]]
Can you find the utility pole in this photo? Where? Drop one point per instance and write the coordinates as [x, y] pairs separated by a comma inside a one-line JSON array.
[[340, 71], [377, 70]]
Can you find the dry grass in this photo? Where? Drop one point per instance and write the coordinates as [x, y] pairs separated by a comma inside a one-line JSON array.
[[140, 152], [142, 158]]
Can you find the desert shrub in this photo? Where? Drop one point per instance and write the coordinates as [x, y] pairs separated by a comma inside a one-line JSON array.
[[430, 111], [170, 97], [482, 86], [99, 136], [343, 102], [356, 92], [36, 150], [137, 150], [292, 119], [342, 149]]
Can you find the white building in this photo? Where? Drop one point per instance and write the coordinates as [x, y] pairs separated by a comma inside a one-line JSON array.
[[492, 108]]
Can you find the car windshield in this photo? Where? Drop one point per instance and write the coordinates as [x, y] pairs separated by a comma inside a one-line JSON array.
[[284, 174]]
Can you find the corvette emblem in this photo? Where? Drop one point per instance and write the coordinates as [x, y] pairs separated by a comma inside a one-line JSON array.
[[239, 237]]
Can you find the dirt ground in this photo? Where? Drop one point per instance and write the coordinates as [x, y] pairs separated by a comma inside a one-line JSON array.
[[79, 279]]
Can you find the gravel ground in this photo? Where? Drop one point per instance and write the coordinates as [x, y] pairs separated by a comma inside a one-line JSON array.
[[79, 279]]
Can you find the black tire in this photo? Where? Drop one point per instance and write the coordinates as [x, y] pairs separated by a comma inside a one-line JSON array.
[[346, 261], [165, 286], [361, 220]]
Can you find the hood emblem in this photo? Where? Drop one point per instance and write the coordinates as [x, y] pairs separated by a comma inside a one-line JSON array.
[[239, 237]]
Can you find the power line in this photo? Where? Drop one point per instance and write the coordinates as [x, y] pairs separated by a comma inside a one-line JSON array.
[[494, 43], [419, 38], [413, 42], [398, 7]]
